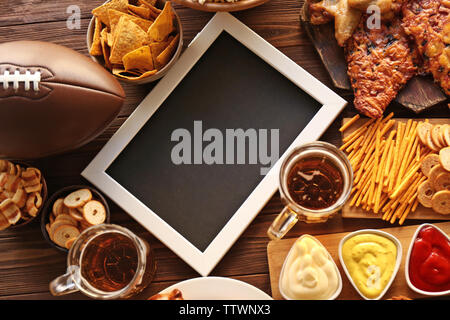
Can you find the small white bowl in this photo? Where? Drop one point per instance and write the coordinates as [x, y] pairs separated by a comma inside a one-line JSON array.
[[338, 290], [408, 256], [397, 261]]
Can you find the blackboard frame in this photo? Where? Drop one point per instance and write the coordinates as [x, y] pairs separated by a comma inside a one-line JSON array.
[[95, 172]]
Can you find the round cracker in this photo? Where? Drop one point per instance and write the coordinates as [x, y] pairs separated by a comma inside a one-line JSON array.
[[64, 233], [442, 182], [94, 212], [444, 158], [78, 198], [441, 202], [428, 163], [425, 193]]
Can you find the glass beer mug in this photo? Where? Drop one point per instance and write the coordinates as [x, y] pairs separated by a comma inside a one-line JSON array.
[[106, 262], [315, 182]]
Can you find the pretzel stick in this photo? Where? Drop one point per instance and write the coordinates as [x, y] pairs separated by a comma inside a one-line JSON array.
[[349, 123]]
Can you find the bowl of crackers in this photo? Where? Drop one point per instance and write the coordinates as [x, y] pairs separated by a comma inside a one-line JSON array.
[[23, 192], [70, 211], [136, 40]]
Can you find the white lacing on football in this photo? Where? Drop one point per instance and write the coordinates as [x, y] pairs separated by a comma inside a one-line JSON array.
[[16, 78]]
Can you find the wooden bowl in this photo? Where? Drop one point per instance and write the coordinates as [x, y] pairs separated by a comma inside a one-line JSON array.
[[157, 75], [44, 194], [48, 207], [239, 5]]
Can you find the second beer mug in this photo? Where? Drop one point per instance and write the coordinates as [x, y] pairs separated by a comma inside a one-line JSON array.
[[107, 262], [315, 182]]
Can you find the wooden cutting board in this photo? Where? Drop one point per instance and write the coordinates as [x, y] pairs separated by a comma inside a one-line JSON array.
[[421, 212], [419, 94], [277, 251]]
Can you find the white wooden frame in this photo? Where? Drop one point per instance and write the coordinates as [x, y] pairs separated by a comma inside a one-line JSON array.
[[204, 262]]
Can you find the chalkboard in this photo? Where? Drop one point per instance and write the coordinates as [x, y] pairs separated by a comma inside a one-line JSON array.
[[174, 167], [230, 87]]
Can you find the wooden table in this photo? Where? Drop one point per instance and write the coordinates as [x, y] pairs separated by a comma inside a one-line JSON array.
[[28, 263]]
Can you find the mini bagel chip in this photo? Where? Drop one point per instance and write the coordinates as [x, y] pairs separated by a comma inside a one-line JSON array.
[[435, 171], [10, 210], [128, 37], [78, 198], [94, 212], [447, 134], [428, 163], [441, 202], [444, 158], [423, 128], [163, 25], [64, 233], [4, 223], [442, 182], [96, 49], [140, 59], [436, 136], [76, 214], [70, 242], [68, 219], [165, 56], [57, 208], [430, 144], [425, 193]]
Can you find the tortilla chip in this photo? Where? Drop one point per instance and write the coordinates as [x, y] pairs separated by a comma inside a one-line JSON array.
[[96, 47], [128, 36], [140, 59], [105, 48], [165, 56], [131, 76], [142, 12], [157, 47], [163, 24], [102, 11], [147, 3], [109, 39], [114, 17]]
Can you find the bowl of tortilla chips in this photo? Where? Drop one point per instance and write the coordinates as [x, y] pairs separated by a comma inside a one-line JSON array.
[[136, 40]]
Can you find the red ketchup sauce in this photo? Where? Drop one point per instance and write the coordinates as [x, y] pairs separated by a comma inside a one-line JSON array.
[[429, 264]]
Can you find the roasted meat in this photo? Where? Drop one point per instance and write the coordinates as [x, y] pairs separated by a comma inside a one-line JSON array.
[[428, 23], [380, 62]]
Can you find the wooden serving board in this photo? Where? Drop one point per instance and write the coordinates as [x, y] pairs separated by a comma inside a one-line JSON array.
[[419, 94], [421, 212], [277, 251]]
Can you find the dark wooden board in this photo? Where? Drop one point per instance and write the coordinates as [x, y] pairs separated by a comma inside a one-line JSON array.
[[419, 94]]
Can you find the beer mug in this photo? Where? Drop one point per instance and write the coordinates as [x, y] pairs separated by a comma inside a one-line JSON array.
[[106, 262], [315, 182]]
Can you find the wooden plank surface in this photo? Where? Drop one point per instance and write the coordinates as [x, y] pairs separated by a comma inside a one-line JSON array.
[[28, 263], [277, 251], [421, 213]]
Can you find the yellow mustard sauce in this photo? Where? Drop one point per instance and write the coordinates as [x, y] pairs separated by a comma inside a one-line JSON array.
[[370, 260], [309, 273]]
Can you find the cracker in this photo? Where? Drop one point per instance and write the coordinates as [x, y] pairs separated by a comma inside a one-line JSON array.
[[441, 202]]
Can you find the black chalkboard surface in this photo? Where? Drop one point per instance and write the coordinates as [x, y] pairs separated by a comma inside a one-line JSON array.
[[230, 87]]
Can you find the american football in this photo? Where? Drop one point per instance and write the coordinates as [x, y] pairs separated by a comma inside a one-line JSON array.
[[53, 99]]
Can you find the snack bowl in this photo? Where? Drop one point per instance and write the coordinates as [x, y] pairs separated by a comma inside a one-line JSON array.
[[157, 75], [44, 194], [398, 259], [408, 258], [48, 207], [280, 286]]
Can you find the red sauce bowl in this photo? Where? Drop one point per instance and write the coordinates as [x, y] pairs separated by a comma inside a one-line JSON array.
[[427, 269]]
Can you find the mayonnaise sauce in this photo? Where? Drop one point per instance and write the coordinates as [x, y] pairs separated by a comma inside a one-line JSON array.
[[370, 260], [309, 272]]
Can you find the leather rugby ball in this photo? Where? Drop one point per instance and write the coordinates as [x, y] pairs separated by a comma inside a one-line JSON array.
[[52, 99]]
